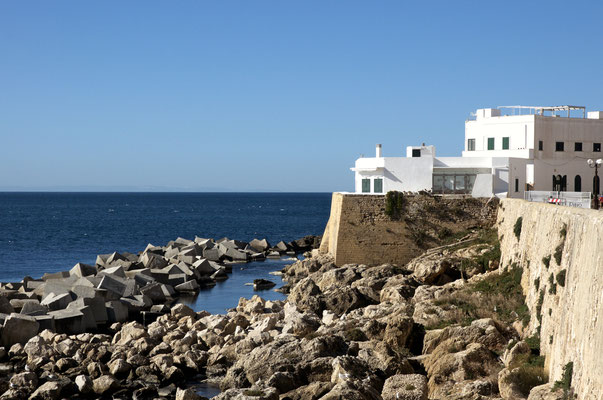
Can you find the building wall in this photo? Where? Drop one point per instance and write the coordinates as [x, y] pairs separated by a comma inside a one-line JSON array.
[[571, 327], [398, 173], [569, 130], [519, 129], [545, 169]]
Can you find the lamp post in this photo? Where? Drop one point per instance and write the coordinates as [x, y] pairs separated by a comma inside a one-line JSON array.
[[595, 164]]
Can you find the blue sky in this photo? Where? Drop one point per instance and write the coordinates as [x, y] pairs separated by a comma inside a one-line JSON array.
[[268, 95]]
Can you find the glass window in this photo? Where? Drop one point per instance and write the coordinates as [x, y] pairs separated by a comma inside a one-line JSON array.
[[438, 183], [416, 152], [378, 185], [490, 143], [366, 185], [470, 183], [448, 183], [597, 147], [459, 183], [578, 146], [471, 144], [540, 145], [559, 146], [505, 143]]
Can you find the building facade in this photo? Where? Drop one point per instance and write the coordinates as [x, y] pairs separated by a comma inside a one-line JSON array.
[[534, 148]]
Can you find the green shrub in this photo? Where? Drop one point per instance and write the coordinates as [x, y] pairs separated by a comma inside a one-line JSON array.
[[517, 227], [533, 342], [561, 277], [552, 284], [559, 252], [537, 283], [539, 306], [527, 372], [394, 204], [546, 261], [566, 380], [563, 231]]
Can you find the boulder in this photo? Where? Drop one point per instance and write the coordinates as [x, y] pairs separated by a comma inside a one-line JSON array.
[[84, 384], [105, 384], [263, 284], [547, 392], [187, 394], [260, 245], [405, 387], [48, 391]]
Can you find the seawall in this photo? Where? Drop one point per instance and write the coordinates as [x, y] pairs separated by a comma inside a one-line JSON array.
[[561, 252], [360, 232]]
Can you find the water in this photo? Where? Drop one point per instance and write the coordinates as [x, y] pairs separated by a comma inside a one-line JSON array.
[[48, 232]]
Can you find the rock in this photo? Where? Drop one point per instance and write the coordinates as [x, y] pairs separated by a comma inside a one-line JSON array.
[[24, 380], [187, 287], [105, 384], [509, 384], [18, 329], [546, 392], [57, 301], [182, 310], [49, 391], [154, 292], [259, 245], [405, 387], [84, 384], [262, 284], [187, 394]]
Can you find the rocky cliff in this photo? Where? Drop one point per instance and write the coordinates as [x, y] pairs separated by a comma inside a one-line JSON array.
[[561, 252]]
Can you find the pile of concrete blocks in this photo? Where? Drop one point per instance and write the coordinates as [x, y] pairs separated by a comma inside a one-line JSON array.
[[124, 286]]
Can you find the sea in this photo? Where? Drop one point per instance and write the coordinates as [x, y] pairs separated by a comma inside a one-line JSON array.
[[50, 232]]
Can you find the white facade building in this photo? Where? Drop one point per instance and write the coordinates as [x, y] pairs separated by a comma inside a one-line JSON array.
[[531, 149]]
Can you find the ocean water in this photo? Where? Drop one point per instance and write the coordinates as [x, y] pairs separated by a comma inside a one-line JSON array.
[[49, 232]]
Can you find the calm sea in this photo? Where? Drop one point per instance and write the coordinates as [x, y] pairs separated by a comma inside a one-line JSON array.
[[47, 232]]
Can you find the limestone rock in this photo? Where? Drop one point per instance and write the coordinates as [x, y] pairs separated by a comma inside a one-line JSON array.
[[84, 384], [49, 391], [105, 384], [405, 387]]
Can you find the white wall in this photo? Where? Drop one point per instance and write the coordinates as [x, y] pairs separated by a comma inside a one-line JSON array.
[[518, 128]]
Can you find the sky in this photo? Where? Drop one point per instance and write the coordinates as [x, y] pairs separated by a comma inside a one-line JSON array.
[[268, 95]]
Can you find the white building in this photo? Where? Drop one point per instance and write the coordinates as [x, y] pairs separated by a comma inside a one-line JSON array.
[[528, 148]]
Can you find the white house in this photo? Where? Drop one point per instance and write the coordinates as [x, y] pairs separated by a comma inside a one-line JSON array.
[[527, 148]]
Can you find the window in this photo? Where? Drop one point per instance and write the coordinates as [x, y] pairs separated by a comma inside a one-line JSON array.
[[558, 146], [577, 184], [505, 143], [559, 183], [516, 185], [471, 144], [416, 152], [490, 143], [578, 146], [378, 185], [597, 147], [366, 186], [540, 145]]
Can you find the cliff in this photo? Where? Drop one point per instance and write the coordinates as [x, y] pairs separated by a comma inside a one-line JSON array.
[[359, 231], [561, 252]]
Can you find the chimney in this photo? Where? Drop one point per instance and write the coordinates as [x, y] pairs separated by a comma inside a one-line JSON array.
[[378, 151]]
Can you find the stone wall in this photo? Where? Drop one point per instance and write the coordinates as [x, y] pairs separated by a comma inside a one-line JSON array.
[[360, 232], [570, 309]]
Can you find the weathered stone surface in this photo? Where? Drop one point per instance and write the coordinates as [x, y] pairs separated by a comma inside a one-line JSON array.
[[84, 384], [546, 392], [18, 329], [81, 270], [105, 384], [405, 387], [48, 391]]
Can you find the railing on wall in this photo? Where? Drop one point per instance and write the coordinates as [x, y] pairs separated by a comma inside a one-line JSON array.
[[570, 199]]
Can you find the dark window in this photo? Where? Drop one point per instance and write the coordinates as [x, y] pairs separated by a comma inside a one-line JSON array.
[[559, 183], [490, 143], [540, 145], [597, 147], [416, 152], [366, 186], [577, 184], [378, 185], [558, 146], [471, 144], [516, 185], [578, 146], [505, 143]]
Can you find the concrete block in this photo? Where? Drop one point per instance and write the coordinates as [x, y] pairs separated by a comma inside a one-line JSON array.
[[154, 292], [113, 271], [18, 304], [134, 305], [81, 269], [143, 279], [183, 241], [57, 301], [46, 322], [154, 249], [55, 275], [187, 287], [153, 261], [160, 275], [19, 328], [5, 306], [281, 247], [84, 282], [31, 285], [172, 269], [171, 252], [13, 285], [176, 279], [70, 322], [34, 308], [116, 311], [101, 259], [115, 256], [96, 306], [113, 285], [211, 254], [220, 275], [168, 290], [160, 309], [89, 318], [204, 267]]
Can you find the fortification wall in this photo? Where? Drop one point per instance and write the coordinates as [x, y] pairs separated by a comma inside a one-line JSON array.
[[567, 311], [359, 231]]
